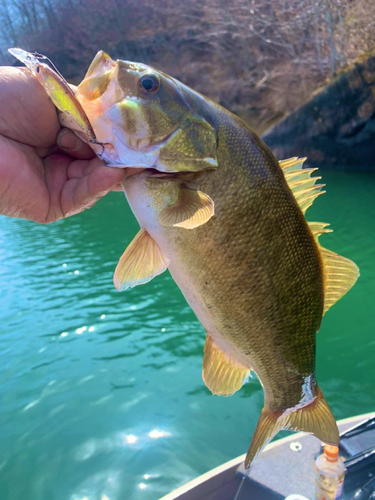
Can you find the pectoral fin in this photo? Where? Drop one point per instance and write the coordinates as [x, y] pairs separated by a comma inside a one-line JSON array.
[[192, 209], [141, 261], [222, 375]]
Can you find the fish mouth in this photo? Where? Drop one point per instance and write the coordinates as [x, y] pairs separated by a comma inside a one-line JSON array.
[[189, 178], [152, 172], [119, 153], [134, 171]]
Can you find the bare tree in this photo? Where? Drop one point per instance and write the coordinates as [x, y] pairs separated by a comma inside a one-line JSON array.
[[259, 58]]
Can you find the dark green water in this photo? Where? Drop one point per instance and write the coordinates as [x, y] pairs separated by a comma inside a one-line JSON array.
[[86, 373]]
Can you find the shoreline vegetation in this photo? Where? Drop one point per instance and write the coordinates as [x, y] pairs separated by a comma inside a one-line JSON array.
[[335, 127], [260, 59]]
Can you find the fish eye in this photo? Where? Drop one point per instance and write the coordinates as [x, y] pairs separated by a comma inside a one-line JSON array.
[[149, 83]]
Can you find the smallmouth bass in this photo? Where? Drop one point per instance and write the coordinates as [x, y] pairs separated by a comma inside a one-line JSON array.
[[226, 218]]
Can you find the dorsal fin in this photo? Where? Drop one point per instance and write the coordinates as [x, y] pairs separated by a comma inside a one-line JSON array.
[[300, 181], [340, 273]]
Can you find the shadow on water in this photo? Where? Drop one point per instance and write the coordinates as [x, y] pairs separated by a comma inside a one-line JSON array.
[[69, 341]]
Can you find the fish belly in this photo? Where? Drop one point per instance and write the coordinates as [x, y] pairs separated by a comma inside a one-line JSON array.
[[253, 276], [253, 281]]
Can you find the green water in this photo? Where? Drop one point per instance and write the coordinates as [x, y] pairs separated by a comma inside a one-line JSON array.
[[86, 373]]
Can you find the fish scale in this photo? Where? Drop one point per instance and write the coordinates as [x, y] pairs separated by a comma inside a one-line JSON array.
[[227, 219]]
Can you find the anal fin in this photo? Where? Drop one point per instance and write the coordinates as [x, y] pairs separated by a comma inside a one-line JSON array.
[[141, 261], [221, 374]]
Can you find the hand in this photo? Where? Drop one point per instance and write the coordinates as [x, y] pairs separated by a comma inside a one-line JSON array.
[[46, 173]]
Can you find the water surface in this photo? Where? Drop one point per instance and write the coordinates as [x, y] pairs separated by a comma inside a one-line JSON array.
[[101, 396]]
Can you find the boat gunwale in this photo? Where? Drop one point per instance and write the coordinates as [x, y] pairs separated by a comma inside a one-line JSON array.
[[235, 462]]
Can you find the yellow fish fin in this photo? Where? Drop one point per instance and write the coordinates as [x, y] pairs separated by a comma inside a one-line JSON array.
[[340, 273], [192, 209], [222, 375], [315, 418], [300, 181], [141, 261]]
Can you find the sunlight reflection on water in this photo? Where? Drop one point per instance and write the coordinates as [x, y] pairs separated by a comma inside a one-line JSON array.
[[101, 393]]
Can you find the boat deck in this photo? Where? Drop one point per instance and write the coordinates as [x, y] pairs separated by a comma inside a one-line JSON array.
[[286, 466]]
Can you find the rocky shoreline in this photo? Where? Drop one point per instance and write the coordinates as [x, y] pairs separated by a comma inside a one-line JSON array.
[[335, 128]]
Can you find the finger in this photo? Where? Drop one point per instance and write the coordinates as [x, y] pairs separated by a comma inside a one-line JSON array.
[[80, 168], [56, 167], [118, 187], [82, 193], [105, 178], [67, 142], [22, 187], [27, 114], [70, 143]]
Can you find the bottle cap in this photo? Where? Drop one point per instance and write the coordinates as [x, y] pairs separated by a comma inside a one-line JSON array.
[[331, 452]]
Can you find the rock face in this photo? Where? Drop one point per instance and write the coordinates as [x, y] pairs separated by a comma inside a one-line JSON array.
[[336, 127]]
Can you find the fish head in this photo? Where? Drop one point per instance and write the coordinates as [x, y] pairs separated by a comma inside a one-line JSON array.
[[142, 118]]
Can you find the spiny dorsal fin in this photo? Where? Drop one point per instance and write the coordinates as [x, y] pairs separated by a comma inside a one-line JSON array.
[[340, 273], [141, 261], [192, 209], [300, 181], [318, 228], [222, 375]]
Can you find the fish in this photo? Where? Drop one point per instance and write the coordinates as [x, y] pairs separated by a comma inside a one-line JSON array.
[[227, 219]]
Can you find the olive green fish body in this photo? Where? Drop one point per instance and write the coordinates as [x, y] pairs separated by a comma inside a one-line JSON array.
[[227, 219], [254, 268]]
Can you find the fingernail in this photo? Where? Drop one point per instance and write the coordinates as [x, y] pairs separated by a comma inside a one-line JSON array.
[[68, 140]]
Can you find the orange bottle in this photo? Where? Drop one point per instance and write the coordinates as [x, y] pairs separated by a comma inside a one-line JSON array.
[[329, 474]]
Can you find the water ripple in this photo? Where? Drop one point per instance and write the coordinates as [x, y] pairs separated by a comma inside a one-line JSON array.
[[113, 381]]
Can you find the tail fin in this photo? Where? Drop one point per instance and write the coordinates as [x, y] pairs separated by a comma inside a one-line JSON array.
[[315, 418]]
